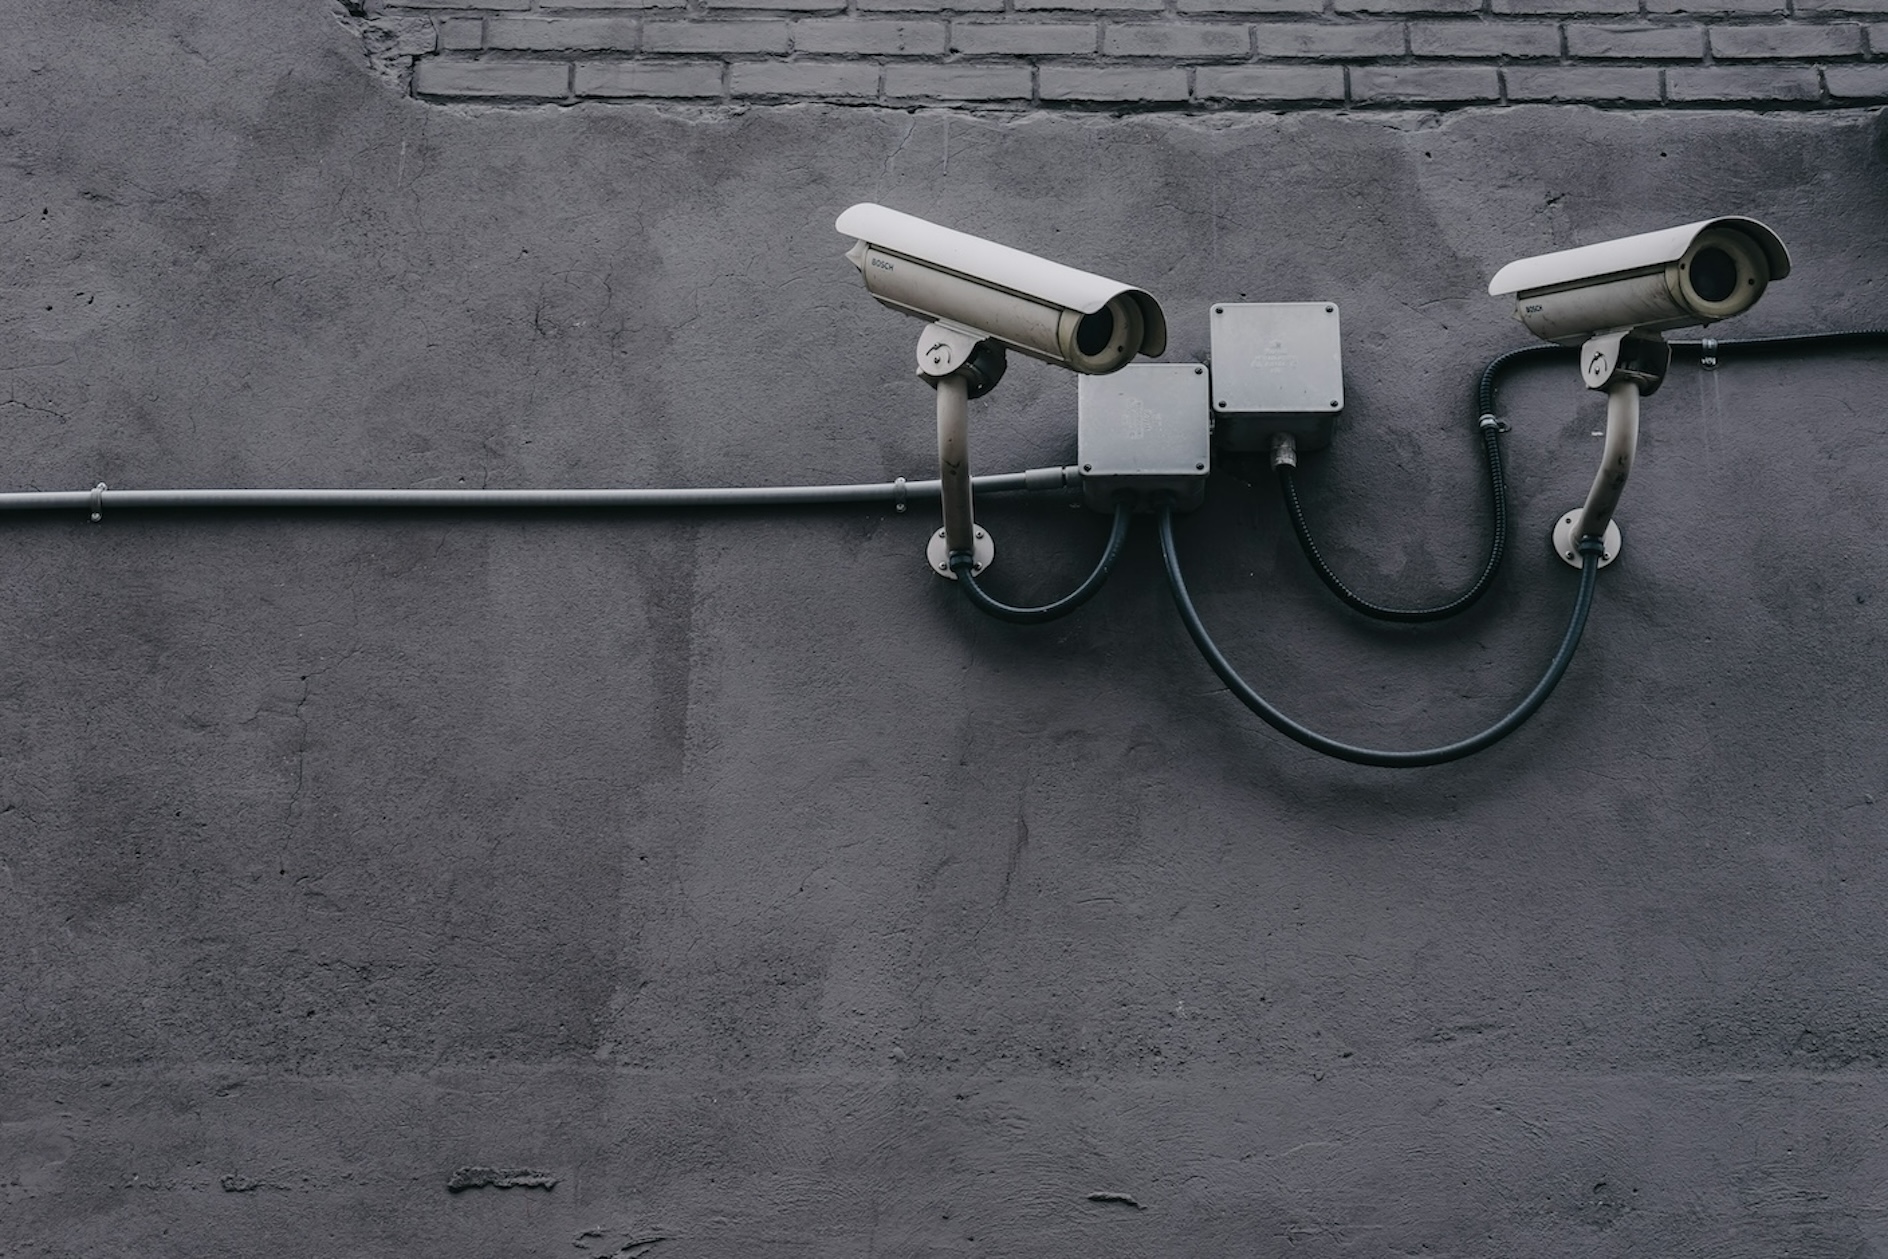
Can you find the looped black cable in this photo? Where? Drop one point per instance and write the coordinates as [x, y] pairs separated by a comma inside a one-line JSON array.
[[1490, 430], [1497, 542], [962, 563], [1590, 552]]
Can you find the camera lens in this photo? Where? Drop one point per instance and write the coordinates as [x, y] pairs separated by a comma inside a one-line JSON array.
[[1713, 274], [1095, 331]]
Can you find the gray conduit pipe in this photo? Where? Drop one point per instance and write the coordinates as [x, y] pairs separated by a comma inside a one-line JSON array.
[[100, 499]]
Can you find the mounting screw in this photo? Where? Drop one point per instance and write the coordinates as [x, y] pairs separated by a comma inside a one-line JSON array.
[[1219, 310], [1333, 401], [1199, 467], [1330, 310], [1199, 371], [1088, 467]]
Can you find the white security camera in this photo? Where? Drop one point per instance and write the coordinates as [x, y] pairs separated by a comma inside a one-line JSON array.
[[981, 298], [1695, 274], [1613, 300], [1040, 308]]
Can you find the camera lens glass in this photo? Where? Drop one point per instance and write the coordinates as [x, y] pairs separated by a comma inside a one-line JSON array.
[[1095, 331], [1713, 274]]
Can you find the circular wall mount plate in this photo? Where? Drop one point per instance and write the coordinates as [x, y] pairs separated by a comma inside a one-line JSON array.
[[939, 553], [1564, 541]]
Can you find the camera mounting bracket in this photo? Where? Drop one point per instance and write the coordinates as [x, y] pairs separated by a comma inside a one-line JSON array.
[[960, 365], [1640, 357], [1628, 365]]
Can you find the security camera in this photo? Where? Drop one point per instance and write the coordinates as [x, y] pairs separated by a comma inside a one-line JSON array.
[[980, 298], [1080, 321], [1682, 276], [1613, 300]]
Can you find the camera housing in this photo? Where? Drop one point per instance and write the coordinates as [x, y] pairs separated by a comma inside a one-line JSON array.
[[1086, 323], [1613, 300], [1676, 278]]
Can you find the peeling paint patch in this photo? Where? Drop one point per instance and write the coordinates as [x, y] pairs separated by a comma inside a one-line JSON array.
[[499, 1178], [233, 1183], [634, 1248]]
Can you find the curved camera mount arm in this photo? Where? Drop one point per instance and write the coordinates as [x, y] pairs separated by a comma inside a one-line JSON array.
[[1627, 365], [959, 365]]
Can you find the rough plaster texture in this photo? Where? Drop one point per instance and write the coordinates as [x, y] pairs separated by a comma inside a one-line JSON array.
[[728, 870]]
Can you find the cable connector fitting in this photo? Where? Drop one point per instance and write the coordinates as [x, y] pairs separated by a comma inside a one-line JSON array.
[[1284, 451], [1037, 479]]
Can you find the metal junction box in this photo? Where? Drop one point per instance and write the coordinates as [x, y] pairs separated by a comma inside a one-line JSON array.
[[1145, 431], [1277, 368]]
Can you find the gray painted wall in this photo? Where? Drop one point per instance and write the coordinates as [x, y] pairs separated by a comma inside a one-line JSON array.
[[731, 871]]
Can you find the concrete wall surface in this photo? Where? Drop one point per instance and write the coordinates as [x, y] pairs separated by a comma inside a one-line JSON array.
[[728, 871]]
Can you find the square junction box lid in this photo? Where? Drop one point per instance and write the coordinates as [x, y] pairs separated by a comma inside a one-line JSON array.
[[1143, 432], [1272, 358]]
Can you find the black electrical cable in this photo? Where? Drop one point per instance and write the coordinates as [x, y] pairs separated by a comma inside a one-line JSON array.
[[1501, 363], [1590, 551], [1497, 542], [1490, 430], [1783, 344], [962, 562]]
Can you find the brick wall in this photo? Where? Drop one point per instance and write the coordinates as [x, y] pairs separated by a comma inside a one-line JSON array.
[[1146, 54]]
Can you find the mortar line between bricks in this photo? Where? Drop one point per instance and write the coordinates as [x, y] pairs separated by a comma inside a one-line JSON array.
[[1017, 107]]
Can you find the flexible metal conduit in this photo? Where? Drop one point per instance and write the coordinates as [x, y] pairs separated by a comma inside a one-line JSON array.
[[900, 491], [1489, 429]]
